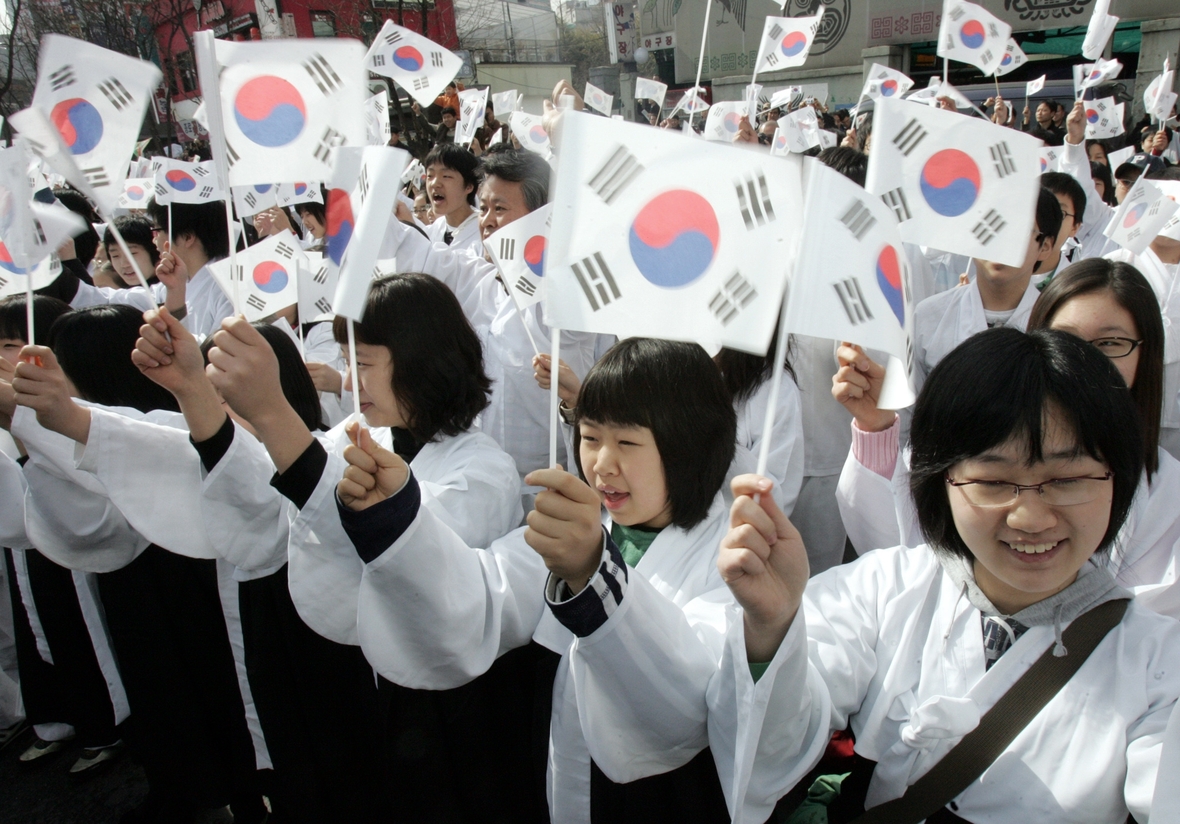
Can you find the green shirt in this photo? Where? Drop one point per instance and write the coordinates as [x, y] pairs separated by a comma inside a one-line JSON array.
[[633, 541]]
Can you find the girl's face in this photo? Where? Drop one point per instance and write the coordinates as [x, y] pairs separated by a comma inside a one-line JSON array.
[[123, 267], [1099, 186], [1096, 316], [1029, 551], [1097, 154], [623, 464], [374, 366], [10, 349], [312, 225]]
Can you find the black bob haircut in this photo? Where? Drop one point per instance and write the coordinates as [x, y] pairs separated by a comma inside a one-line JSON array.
[[457, 159], [676, 391], [1049, 216], [1003, 385], [295, 380], [135, 229], [851, 163], [527, 168], [1059, 183], [438, 374], [204, 221], [93, 346], [14, 322], [85, 244]]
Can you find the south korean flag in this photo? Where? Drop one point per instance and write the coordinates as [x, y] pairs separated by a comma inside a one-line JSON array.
[[1158, 97], [518, 250], [473, 106], [95, 100], [669, 238], [885, 82], [287, 105], [1051, 159], [725, 120], [317, 288], [267, 275], [417, 64], [289, 194], [1104, 118], [377, 126], [137, 191], [959, 184], [529, 133], [14, 280], [692, 102], [250, 200], [31, 230], [867, 299], [971, 34], [786, 41], [178, 181], [1098, 73], [598, 100], [1014, 58], [797, 132], [1142, 214], [653, 90], [504, 103]]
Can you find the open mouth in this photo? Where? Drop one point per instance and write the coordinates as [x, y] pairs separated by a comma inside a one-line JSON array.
[[613, 499], [1032, 553]]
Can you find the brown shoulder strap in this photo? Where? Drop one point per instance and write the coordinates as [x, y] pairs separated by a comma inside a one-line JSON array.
[[1001, 724]]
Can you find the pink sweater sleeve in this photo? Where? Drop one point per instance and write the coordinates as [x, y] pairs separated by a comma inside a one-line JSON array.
[[877, 451]]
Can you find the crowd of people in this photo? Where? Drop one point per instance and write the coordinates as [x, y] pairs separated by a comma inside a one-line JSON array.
[[214, 569]]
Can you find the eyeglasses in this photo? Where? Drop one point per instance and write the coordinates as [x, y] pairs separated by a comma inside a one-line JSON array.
[[1116, 347], [1055, 492]]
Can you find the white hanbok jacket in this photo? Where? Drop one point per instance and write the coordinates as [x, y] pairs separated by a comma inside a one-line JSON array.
[[206, 304], [1076, 163], [786, 458]]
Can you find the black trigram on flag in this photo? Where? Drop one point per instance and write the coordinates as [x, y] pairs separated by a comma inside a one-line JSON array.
[[527, 286], [115, 92], [992, 30], [362, 183], [732, 298], [393, 37], [615, 174], [895, 200], [853, 300], [205, 192], [1002, 159], [596, 280], [909, 137], [858, 220], [331, 139], [776, 31], [421, 83], [771, 59], [436, 59], [956, 13], [283, 250], [986, 230], [231, 156], [160, 190], [985, 56], [256, 303], [754, 201], [322, 73], [250, 200], [39, 231], [96, 176], [201, 171], [324, 306], [1154, 209], [321, 275], [61, 78], [507, 248], [378, 60]]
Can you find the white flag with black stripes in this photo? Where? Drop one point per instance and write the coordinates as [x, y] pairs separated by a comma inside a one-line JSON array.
[[267, 274], [971, 34], [518, 250], [960, 184], [416, 63], [670, 238]]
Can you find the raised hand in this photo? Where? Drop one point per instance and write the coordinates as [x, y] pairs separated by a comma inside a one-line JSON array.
[[326, 378], [41, 385], [857, 386], [1075, 124], [764, 563], [565, 526], [568, 385], [174, 274], [243, 368], [176, 364], [373, 472]]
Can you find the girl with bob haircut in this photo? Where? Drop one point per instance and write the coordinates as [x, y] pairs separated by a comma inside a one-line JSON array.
[[1110, 305], [1023, 473], [640, 523]]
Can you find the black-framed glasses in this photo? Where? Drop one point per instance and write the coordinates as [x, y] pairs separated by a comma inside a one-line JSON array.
[[1054, 492], [1115, 347]]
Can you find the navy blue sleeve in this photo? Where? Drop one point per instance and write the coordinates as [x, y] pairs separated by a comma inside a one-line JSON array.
[[374, 530], [213, 449], [301, 477], [584, 613]]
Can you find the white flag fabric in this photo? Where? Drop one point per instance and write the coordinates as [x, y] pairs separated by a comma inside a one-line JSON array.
[[529, 132], [1104, 118], [827, 138], [724, 120], [519, 252], [360, 206], [473, 106], [1101, 27], [692, 102], [786, 41], [178, 181], [1118, 158], [962, 101], [1034, 86], [646, 89], [797, 132], [288, 104], [1171, 190], [250, 200], [598, 100], [928, 95], [31, 230], [786, 97], [317, 287], [1141, 216], [416, 63], [137, 191], [14, 279], [504, 103], [971, 34], [95, 100], [1099, 73], [377, 127], [1051, 159], [267, 275], [1014, 57], [664, 237], [866, 299], [885, 82], [288, 194], [960, 184], [1158, 97]]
